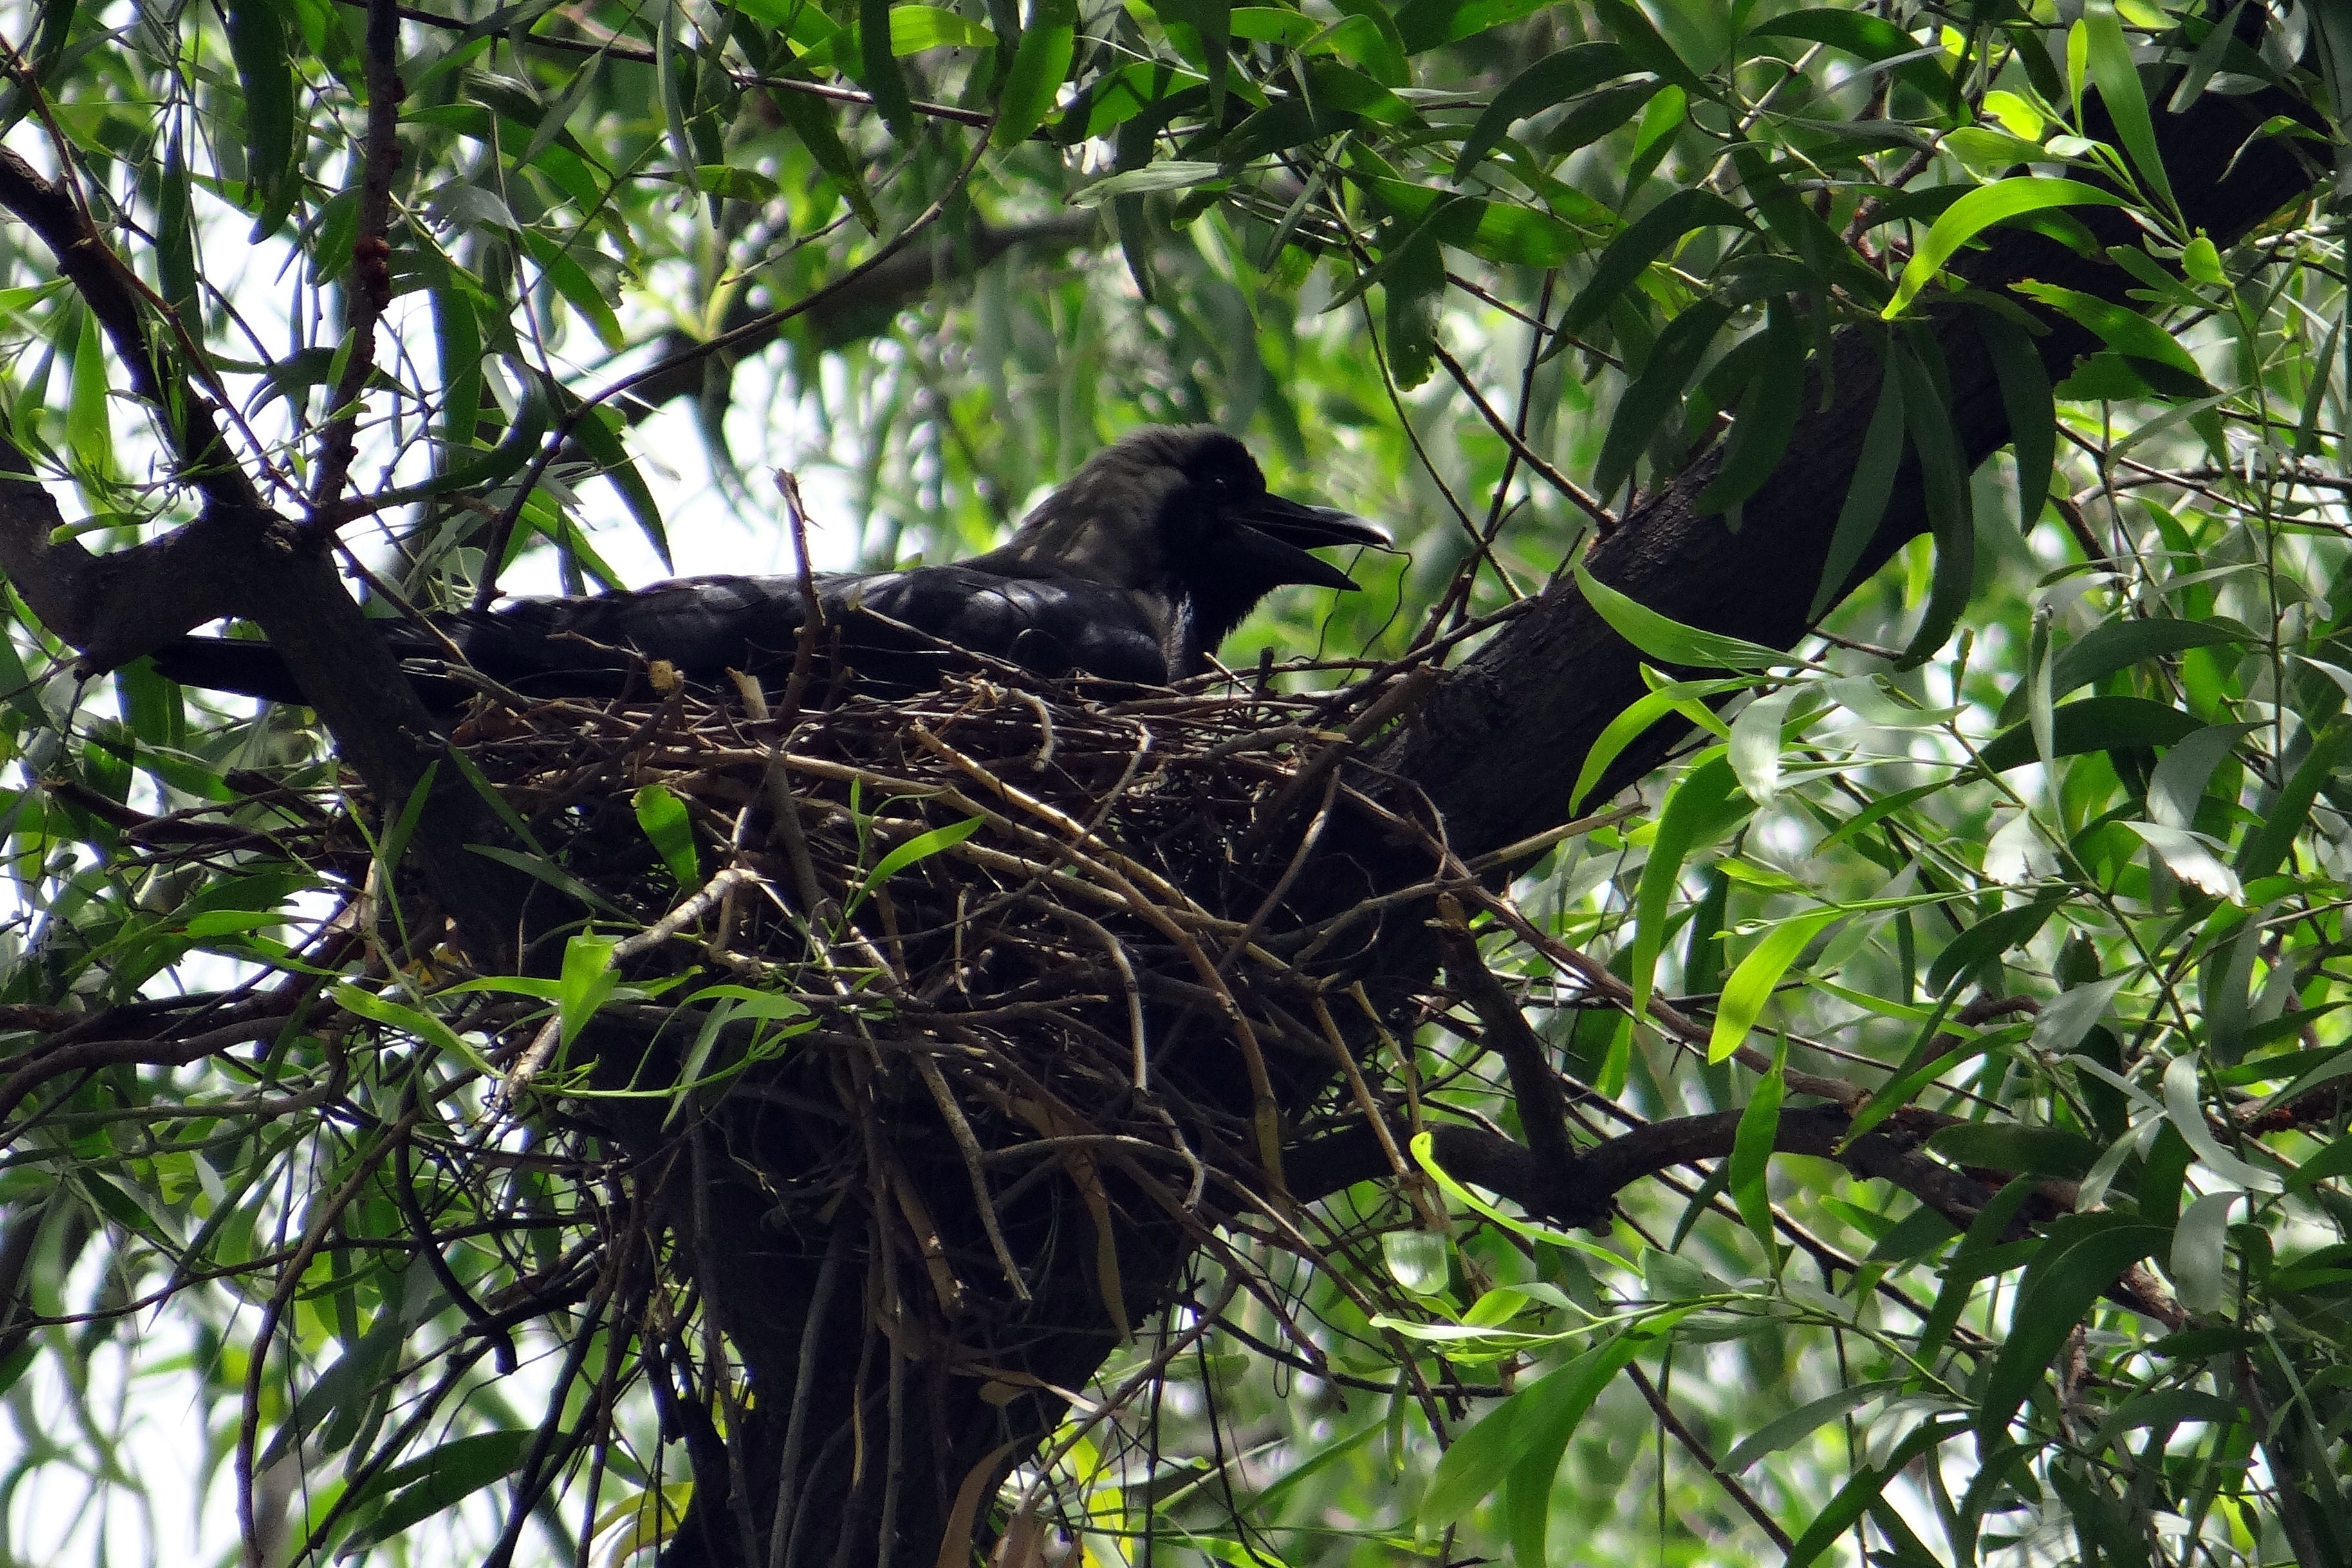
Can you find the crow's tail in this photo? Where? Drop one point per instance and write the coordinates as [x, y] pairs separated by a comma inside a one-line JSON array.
[[229, 665]]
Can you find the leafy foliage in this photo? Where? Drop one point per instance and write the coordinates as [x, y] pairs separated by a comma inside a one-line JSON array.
[[2029, 865]]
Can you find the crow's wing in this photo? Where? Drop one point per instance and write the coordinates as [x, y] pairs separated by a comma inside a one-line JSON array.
[[901, 629], [897, 632], [590, 645]]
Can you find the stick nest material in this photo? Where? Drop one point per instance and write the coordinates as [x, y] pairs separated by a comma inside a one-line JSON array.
[[948, 946]]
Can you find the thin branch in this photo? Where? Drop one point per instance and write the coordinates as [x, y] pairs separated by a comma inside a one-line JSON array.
[[1603, 518], [371, 289], [1543, 1108], [120, 300], [757, 328], [741, 79]]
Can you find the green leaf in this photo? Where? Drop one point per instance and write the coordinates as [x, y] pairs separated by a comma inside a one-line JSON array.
[[1988, 940], [1751, 983], [2080, 1258], [2032, 412], [264, 71], [1512, 1440], [673, 78], [2095, 724], [2002, 202], [2121, 645], [1173, 174], [1638, 717], [587, 983], [1767, 414], [1669, 639], [1945, 479], [1784, 1431], [1496, 231], [914, 28], [1039, 63], [1368, 37], [1110, 100], [2125, 330], [2334, 1159], [423, 1026], [481, 469], [2185, 1110], [1751, 1148], [1705, 804], [552, 127], [2207, 59], [2284, 818], [1649, 237], [436, 1480], [1342, 89], [1426, 24], [460, 340], [1638, 37], [1424, 1151], [812, 122], [921, 847], [1859, 33], [2011, 1146], [599, 434], [2194, 858], [1553, 79], [1646, 405], [364, 1368], [89, 430], [176, 241], [1597, 114], [735, 184], [670, 830], [2117, 80], [877, 67], [1917, 1234], [1413, 288], [579, 290], [1755, 749], [1863, 1489], [2199, 1262], [1867, 492], [2203, 1344], [1549, 1425]]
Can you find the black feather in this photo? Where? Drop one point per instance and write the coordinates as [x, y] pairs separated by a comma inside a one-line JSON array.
[[1134, 571]]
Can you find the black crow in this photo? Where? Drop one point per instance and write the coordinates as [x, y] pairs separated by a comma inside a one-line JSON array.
[[1134, 571]]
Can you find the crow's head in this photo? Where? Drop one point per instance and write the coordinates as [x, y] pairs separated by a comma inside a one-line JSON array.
[[1179, 517]]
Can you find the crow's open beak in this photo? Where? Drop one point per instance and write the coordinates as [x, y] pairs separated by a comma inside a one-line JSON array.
[[1275, 535]]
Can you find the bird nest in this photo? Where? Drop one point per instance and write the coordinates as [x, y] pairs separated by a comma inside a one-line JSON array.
[[974, 935], [999, 998]]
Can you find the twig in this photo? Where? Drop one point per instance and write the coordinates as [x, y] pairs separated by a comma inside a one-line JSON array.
[[1543, 1109], [560, 435], [1603, 518], [370, 288]]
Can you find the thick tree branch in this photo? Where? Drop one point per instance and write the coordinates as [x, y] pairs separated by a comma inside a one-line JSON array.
[[1487, 747], [1582, 1191]]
